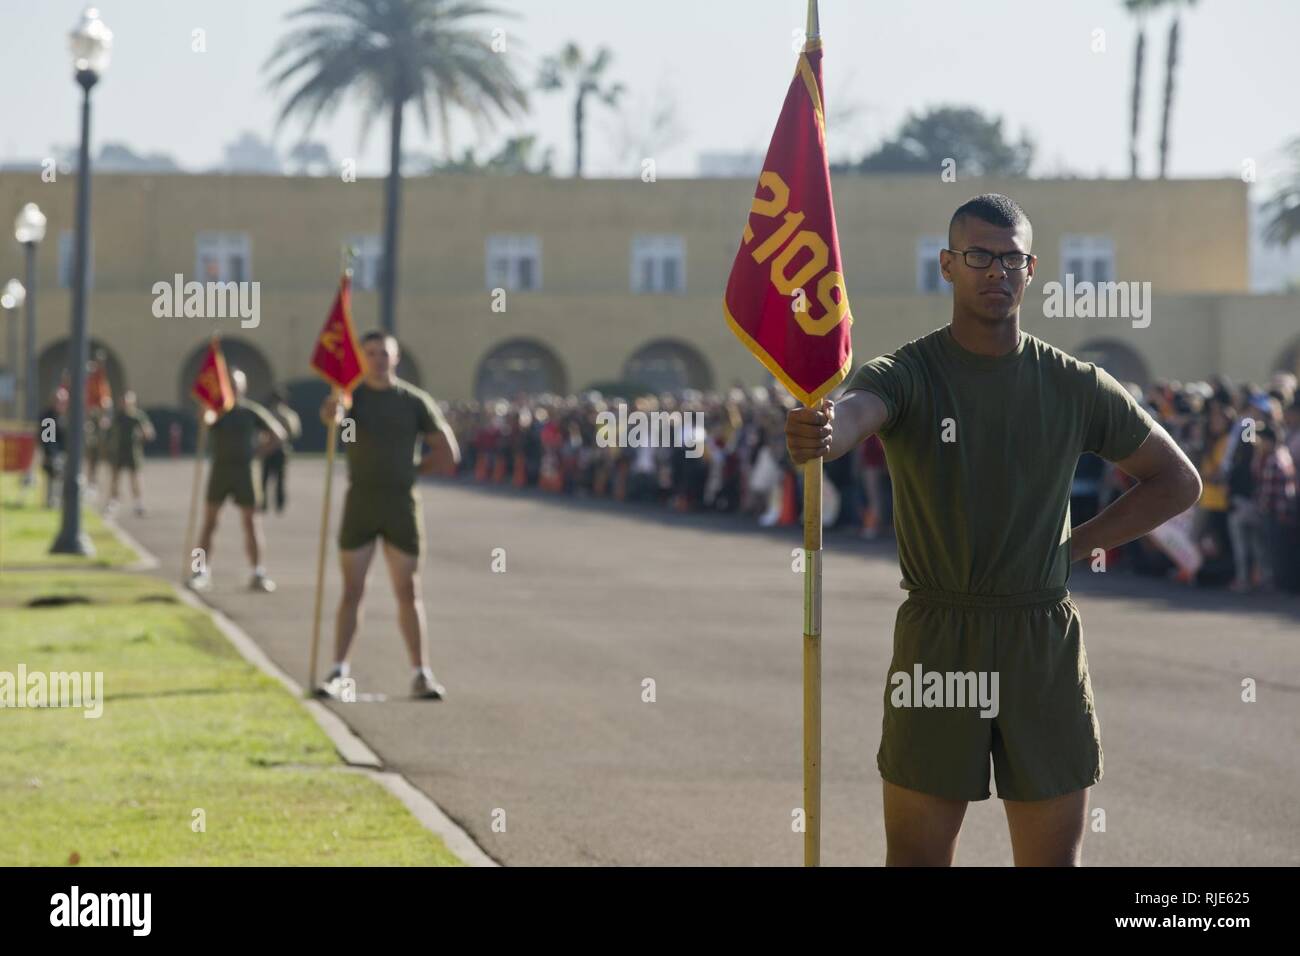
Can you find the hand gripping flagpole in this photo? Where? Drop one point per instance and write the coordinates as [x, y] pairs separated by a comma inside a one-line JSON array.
[[330, 442], [812, 626]]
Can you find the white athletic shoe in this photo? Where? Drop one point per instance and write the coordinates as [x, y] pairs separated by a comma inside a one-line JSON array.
[[426, 687], [199, 581], [331, 686], [260, 582]]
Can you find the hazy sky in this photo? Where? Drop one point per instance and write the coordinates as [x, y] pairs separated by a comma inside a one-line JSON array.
[[726, 63]]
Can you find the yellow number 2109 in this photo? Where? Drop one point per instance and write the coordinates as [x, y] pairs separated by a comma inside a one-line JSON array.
[[830, 283]]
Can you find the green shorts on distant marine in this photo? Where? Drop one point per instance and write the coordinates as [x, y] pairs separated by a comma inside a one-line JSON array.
[[1042, 732], [236, 480], [395, 516], [129, 460]]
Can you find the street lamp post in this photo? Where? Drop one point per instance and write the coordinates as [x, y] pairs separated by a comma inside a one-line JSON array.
[[90, 42], [11, 300], [29, 230]]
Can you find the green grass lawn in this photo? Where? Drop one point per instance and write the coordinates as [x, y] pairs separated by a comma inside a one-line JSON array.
[[29, 530], [187, 725]]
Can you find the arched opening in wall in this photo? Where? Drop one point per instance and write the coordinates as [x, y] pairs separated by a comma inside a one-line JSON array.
[[238, 354], [306, 395], [1122, 361], [53, 362], [1288, 360], [519, 366], [668, 366]]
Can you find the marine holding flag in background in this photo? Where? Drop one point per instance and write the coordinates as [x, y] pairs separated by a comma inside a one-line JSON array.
[[386, 419], [242, 433], [982, 425]]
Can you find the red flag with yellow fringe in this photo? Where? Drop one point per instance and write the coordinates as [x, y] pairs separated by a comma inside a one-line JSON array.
[[786, 299], [337, 357], [212, 384]]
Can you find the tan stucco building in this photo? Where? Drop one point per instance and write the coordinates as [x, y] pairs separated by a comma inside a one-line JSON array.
[[611, 280]]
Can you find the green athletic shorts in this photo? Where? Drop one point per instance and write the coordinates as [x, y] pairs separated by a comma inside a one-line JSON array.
[[1041, 732], [392, 514], [234, 480]]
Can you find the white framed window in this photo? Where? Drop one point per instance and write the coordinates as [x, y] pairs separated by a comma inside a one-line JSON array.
[[929, 279], [367, 259], [223, 257], [514, 263], [1088, 258], [658, 264], [67, 260]]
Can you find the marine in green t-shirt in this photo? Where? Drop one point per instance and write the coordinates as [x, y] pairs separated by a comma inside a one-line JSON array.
[[237, 445], [239, 438], [127, 433], [275, 465], [382, 429], [982, 426], [390, 425]]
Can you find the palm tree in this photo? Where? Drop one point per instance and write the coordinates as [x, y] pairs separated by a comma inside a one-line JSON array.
[[1171, 66], [1283, 209], [1139, 9], [571, 68], [393, 53]]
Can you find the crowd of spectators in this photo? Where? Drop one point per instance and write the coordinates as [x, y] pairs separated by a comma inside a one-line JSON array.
[[1245, 439]]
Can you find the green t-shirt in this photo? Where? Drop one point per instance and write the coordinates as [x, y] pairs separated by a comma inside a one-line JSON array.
[[982, 451], [384, 452], [234, 435], [126, 434]]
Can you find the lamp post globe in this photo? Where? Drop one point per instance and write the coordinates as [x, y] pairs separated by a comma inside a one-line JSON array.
[[91, 43], [29, 226]]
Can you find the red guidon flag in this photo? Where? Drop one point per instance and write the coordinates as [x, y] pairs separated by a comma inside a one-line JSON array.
[[337, 357], [98, 391], [786, 298], [212, 385]]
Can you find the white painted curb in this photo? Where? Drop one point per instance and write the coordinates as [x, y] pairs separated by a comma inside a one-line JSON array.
[[351, 748]]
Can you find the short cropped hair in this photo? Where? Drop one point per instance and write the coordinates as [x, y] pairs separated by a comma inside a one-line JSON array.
[[993, 208]]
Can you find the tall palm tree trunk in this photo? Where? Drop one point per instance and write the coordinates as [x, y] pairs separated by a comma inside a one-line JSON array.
[[577, 136], [392, 206], [1171, 69], [1135, 110]]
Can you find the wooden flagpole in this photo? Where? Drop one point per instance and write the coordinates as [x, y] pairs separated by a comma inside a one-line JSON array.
[[812, 628], [201, 445], [330, 442], [324, 541]]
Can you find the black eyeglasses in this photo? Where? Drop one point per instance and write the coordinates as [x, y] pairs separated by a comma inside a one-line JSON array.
[[982, 259]]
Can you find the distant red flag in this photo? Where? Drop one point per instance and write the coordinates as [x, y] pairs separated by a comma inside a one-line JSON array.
[[212, 385], [786, 299], [337, 357], [97, 387]]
